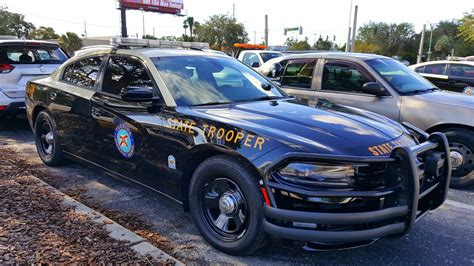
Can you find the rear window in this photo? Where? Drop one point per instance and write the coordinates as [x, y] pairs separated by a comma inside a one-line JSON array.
[[31, 55]]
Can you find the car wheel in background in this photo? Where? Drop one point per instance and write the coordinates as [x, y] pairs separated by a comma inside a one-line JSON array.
[[227, 205], [47, 140], [461, 143]]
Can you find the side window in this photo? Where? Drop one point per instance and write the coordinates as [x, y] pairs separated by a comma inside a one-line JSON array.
[[437, 69], [83, 73], [123, 72], [299, 73], [250, 58], [420, 69], [343, 77], [461, 70]]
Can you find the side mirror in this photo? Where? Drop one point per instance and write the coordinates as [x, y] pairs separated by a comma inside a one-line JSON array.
[[374, 88], [255, 64], [138, 94]]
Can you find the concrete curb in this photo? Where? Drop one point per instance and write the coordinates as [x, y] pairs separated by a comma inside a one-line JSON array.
[[116, 231]]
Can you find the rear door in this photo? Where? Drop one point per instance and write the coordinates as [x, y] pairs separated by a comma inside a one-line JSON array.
[[69, 102], [341, 83], [29, 60], [437, 74], [298, 79], [461, 77]]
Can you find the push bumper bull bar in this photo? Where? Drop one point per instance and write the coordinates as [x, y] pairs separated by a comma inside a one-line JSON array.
[[397, 219]]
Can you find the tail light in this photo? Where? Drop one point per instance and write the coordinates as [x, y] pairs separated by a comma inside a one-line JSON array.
[[6, 68], [3, 107]]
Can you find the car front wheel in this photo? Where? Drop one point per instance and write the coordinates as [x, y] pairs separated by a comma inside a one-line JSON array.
[[47, 140], [461, 144], [227, 205]]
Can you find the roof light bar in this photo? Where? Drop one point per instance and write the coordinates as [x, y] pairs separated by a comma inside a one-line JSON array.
[[144, 43]]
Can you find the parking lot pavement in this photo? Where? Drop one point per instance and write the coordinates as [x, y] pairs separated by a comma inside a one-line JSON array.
[[442, 237]]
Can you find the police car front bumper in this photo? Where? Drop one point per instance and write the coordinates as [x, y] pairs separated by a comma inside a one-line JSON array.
[[422, 172]]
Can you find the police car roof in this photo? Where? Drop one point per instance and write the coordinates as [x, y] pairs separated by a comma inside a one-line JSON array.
[[160, 52]]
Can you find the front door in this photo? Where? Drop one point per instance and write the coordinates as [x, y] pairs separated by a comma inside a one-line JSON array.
[[342, 83], [121, 139]]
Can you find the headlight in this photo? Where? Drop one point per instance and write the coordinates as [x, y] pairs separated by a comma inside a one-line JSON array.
[[321, 175]]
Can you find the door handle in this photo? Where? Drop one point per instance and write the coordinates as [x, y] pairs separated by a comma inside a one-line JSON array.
[[53, 95]]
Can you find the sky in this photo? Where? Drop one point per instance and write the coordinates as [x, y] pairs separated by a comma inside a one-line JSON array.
[[317, 17]]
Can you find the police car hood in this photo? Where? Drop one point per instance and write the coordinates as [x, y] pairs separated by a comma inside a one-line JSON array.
[[325, 128]]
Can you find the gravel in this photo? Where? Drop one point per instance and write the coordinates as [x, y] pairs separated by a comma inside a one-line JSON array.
[[37, 228]]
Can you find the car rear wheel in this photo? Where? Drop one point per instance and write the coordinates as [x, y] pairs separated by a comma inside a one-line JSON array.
[[47, 140], [227, 205], [461, 144]]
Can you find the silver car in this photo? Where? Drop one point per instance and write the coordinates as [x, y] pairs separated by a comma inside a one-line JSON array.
[[385, 86], [21, 61]]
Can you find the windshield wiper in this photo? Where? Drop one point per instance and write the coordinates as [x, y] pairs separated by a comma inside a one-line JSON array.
[[420, 91], [210, 103]]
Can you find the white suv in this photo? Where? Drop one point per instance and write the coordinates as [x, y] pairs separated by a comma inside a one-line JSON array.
[[256, 58], [21, 61]]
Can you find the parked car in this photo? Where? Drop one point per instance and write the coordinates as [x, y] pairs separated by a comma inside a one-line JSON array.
[[457, 76], [245, 159], [385, 86], [21, 61], [256, 58]]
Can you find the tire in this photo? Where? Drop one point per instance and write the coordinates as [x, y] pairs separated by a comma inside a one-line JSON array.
[[47, 140], [209, 183], [461, 141]]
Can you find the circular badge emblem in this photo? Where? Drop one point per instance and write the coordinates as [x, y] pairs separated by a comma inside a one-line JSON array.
[[124, 140]]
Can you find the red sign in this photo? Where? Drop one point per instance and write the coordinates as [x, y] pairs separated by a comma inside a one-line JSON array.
[[161, 6]]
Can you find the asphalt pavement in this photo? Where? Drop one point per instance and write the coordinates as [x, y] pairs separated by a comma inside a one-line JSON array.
[[445, 236]]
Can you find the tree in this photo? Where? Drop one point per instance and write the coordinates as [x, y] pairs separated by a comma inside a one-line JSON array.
[[221, 32], [43, 33], [70, 42], [466, 27], [189, 23], [14, 24], [444, 45], [149, 37], [324, 44], [295, 45]]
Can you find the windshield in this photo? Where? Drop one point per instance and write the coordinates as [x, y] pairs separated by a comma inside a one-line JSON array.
[[268, 56], [20, 54], [197, 80], [400, 77]]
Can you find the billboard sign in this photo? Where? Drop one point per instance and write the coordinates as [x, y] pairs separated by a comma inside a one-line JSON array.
[[161, 6]]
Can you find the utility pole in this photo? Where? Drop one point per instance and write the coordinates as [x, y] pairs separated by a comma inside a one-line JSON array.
[[354, 29], [123, 18], [154, 32], [233, 10], [266, 30], [348, 43], [143, 17], [85, 30], [431, 40], [420, 51], [255, 37]]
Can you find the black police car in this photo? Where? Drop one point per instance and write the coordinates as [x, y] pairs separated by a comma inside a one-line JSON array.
[[244, 158]]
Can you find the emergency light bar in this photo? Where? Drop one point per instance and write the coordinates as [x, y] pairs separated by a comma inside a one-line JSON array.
[[144, 43]]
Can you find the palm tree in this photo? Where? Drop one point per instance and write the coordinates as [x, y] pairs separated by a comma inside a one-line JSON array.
[[185, 26], [189, 22]]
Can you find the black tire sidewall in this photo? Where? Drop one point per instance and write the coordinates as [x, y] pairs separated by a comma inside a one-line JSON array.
[[56, 157], [223, 166], [465, 137]]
